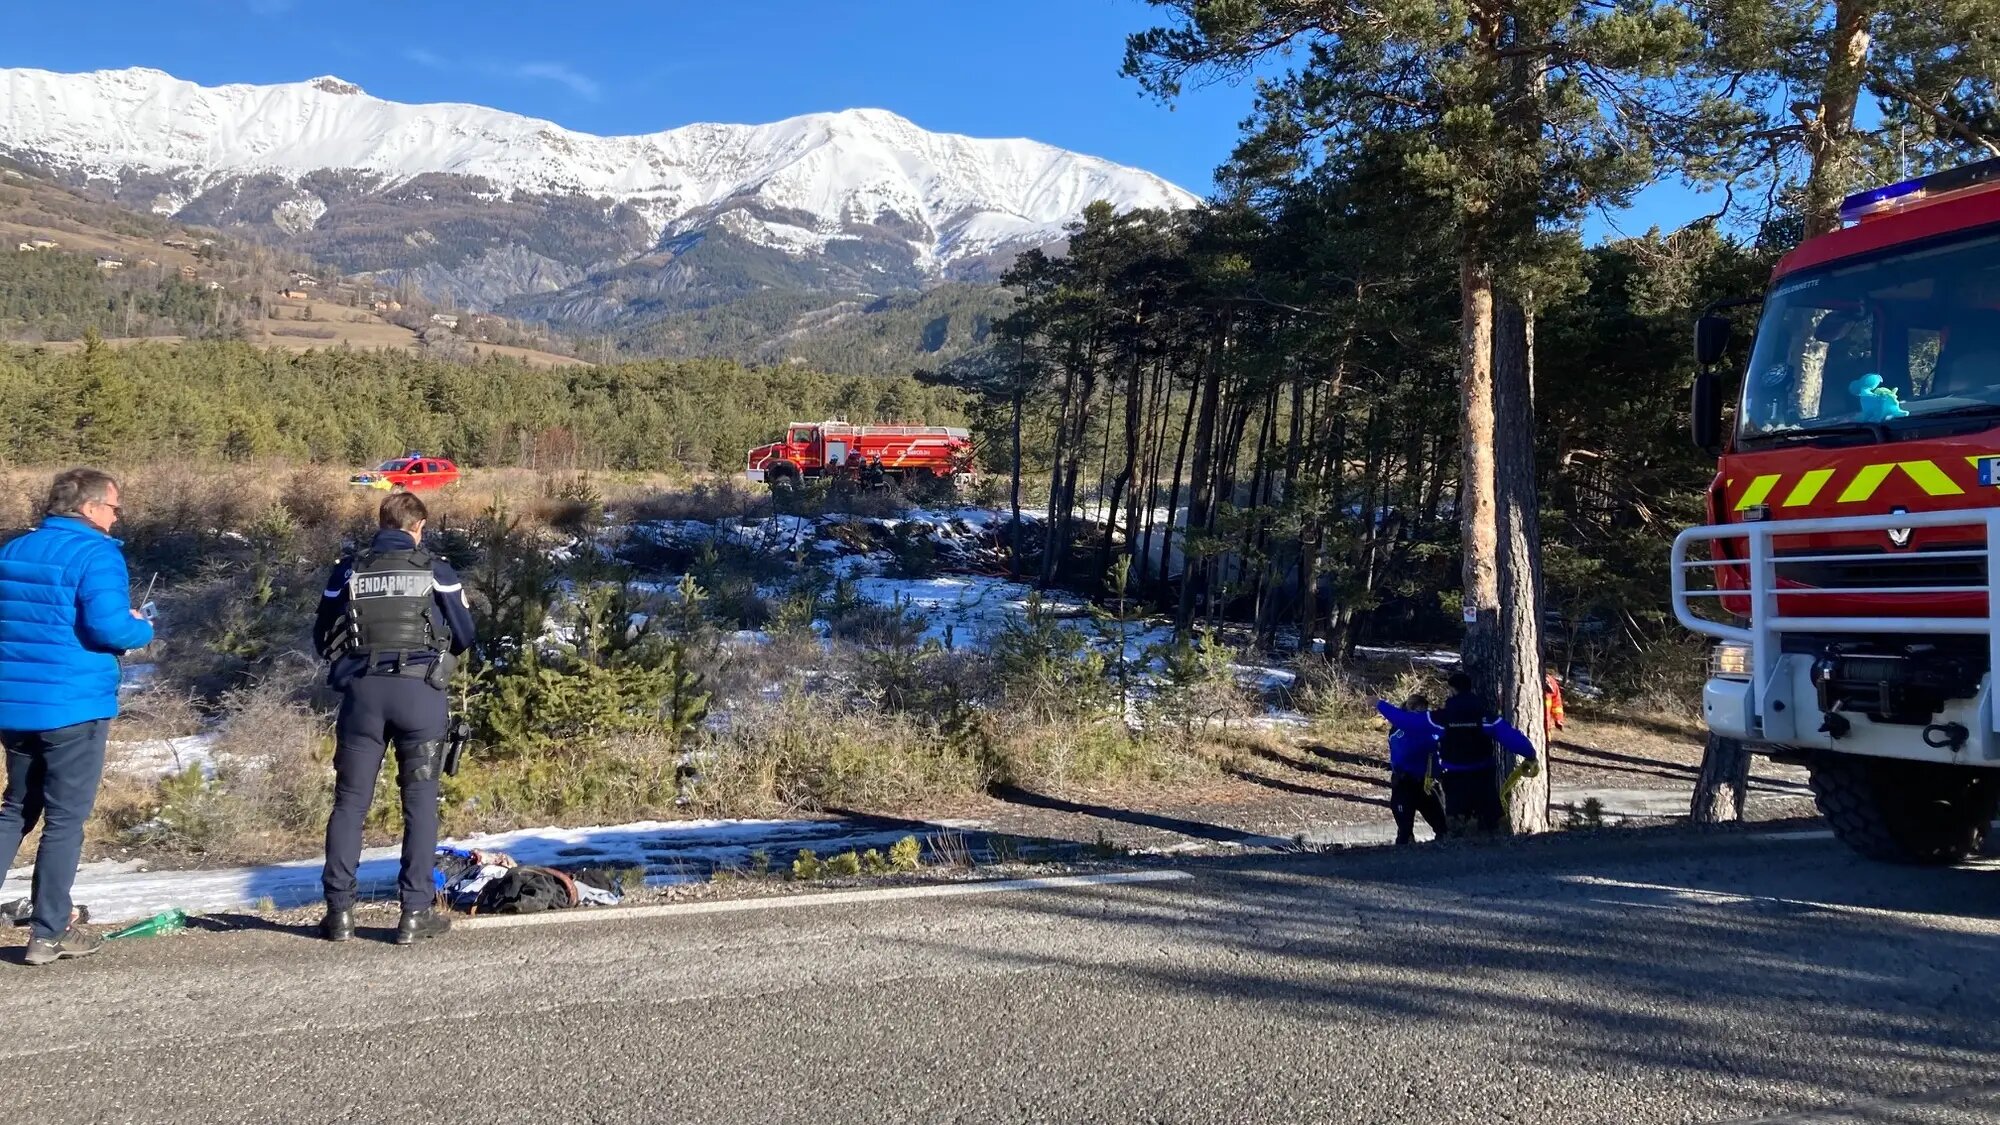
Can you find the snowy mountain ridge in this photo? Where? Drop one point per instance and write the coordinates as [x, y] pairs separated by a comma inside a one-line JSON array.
[[791, 185]]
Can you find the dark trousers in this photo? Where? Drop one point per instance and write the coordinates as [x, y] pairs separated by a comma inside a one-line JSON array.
[[1473, 795], [377, 710], [52, 777], [1406, 799]]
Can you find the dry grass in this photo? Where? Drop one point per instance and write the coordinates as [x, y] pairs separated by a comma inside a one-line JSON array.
[[794, 755], [158, 710], [709, 499], [269, 798], [190, 502]]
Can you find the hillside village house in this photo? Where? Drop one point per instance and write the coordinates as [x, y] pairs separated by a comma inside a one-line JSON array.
[[294, 294], [445, 320], [38, 244], [109, 264]]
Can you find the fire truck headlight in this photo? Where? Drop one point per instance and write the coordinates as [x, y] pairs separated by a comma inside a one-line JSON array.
[[1729, 661]]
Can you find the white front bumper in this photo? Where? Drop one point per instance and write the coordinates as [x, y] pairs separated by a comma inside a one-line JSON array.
[[1789, 716]]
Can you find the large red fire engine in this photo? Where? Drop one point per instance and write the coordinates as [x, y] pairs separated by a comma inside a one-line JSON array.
[[1846, 572], [823, 449]]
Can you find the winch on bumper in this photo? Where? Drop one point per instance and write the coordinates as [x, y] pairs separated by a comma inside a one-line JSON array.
[[1919, 702]]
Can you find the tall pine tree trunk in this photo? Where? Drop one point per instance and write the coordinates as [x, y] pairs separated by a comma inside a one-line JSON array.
[[1200, 485], [1174, 494], [1059, 515], [1830, 133], [1014, 491], [1518, 676], [1478, 519], [1134, 401], [1724, 785]]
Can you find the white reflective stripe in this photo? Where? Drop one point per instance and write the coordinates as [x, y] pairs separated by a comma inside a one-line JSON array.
[[335, 592], [451, 589]]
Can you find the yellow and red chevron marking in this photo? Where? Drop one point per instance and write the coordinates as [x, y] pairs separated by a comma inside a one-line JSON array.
[[1857, 483]]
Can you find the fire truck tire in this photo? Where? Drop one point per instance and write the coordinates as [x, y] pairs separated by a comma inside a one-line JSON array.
[[1904, 812], [784, 480]]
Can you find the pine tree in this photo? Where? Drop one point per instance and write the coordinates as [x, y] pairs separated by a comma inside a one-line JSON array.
[[1801, 73], [1521, 113], [686, 702], [104, 421], [1115, 620]]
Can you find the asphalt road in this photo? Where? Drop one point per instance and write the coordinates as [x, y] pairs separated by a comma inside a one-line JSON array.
[[1649, 978]]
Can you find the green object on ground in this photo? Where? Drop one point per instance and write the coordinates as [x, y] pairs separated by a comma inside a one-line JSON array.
[[159, 925]]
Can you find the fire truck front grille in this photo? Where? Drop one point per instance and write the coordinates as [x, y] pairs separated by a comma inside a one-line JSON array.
[[1883, 568]]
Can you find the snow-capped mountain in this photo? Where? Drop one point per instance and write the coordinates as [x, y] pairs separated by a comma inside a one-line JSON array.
[[499, 210]]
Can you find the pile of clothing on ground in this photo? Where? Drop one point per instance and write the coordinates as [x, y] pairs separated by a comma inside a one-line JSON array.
[[489, 882]]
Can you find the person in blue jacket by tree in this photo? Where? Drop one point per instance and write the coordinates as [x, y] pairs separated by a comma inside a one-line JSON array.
[[1469, 737], [65, 616], [1412, 770]]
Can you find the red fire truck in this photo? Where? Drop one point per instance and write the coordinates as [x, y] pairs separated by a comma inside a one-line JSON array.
[[812, 450], [1846, 572]]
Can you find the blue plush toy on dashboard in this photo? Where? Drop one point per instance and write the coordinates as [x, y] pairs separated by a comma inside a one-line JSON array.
[[1878, 403]]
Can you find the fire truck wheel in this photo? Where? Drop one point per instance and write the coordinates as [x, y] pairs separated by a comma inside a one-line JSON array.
[[784, 480], [1904, 812]]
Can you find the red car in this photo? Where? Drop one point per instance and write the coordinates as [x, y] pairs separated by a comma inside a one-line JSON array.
[[414, 473]]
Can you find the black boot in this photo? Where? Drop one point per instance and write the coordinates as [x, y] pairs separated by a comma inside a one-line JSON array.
[[338, 925], [427, 923]]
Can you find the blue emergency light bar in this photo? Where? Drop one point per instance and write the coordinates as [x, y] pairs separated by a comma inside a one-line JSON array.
[[1882, 200]]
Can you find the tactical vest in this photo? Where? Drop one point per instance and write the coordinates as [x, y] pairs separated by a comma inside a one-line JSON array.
[[391, 613], [1464, 743]]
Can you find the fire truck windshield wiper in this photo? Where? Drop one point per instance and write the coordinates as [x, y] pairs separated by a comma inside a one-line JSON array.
[[1875, 431]]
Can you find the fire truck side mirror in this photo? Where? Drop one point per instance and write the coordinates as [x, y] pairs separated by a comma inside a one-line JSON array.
[[1711, 339], [1705, 411]]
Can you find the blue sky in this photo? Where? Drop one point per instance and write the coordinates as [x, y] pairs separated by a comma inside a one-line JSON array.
[[1046, 69]]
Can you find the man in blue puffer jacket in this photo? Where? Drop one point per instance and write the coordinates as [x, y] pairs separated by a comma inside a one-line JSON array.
[[65, 615]]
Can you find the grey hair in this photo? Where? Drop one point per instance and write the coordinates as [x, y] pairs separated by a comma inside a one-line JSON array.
[[70, 491]]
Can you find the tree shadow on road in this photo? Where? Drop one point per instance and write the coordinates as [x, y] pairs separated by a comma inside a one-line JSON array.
[[1375, 763], [1378, 780], [1676, 958], [1563, 752], [1297, 789], [1196, 829]]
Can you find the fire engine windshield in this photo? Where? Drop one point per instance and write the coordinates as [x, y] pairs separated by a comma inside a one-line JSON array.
[[1836, 344]]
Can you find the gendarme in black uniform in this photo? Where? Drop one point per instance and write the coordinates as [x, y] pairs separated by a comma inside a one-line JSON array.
[[393, 621]]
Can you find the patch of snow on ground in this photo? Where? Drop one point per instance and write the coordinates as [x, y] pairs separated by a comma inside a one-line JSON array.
[[670, 851], [161, 757], [1264, 678], [132, 677], [1435, 658], [973, 607]]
